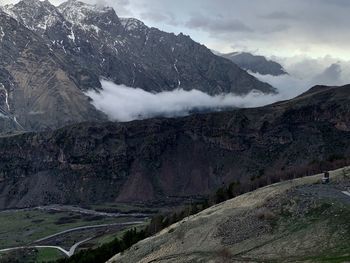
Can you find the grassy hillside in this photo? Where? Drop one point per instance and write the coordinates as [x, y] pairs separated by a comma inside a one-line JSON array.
[[293, 221]]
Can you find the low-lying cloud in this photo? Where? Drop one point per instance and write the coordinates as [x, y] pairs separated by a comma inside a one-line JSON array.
[[305, 73], [122, 103]]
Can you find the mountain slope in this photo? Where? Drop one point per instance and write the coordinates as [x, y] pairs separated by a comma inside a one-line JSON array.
[[256, 64], [292, 221], [162, 159], [128, 52], [41, 92]]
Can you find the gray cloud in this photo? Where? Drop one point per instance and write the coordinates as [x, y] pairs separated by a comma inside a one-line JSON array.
[[122, 7], [305, 73], [330, 76], [217, 24], [160, 17], [276, 29], [279, 15]]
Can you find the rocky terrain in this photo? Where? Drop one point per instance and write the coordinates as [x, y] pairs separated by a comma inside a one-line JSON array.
[[38, 90], [256, 64], [50, 55], [162, 159], [293, 221]]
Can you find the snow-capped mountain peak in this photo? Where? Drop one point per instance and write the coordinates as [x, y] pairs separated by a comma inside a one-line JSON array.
[[78, 12], [34, 14], [87, 17]]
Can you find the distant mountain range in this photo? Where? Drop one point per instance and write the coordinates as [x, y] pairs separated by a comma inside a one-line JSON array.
[[163, 159], [255, 64], [49, 56]]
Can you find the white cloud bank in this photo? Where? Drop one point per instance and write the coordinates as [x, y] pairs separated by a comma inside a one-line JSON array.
[[122, 103], [305, 73]]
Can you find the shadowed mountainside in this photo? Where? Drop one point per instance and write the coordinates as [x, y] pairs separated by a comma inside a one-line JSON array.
[[162, 158]]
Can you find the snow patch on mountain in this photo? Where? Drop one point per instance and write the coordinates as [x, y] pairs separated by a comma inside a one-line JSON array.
[[7, 9], [78, 14], [2, 33]]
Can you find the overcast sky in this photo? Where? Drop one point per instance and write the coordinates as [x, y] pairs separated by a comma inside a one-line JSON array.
[[284, 28]]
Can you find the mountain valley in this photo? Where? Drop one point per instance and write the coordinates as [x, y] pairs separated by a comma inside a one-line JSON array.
[[151, 131]]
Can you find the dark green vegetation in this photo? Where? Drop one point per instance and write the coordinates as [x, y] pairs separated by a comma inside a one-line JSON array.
[[23, 255], [41, 255], [106, 251]]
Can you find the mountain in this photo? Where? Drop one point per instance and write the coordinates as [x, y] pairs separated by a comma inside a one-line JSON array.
[[51, 56], [256, 64], [165, 159], [128, 52], [40, 88], [292, 221]]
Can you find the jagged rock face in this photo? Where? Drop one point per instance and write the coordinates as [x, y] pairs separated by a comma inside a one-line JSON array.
[[40, 92], [130, 53], [35, 15], [163, 158], [256, 64]]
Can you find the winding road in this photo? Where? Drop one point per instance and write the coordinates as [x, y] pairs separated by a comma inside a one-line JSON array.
[[88, 227], [67, 253], [76, 245], [346, 193]]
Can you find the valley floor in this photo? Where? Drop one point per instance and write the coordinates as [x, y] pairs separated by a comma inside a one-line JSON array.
[[47, 233]]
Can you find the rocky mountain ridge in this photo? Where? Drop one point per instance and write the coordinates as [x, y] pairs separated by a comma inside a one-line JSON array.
[[162, 159], [256, 64]]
